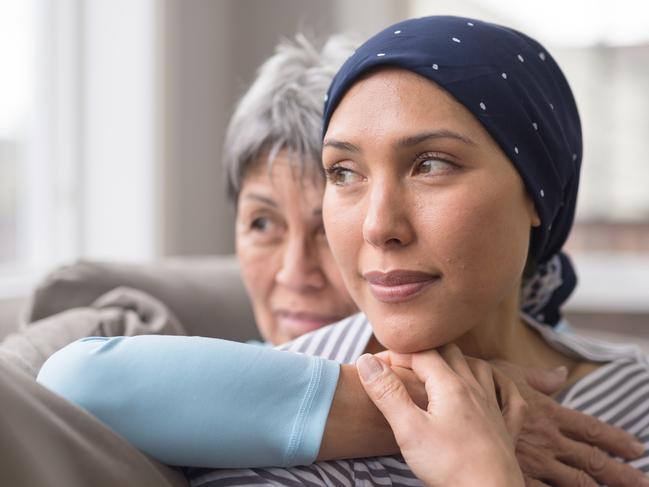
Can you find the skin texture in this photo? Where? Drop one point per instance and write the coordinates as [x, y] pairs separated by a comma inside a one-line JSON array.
[[287, 267]]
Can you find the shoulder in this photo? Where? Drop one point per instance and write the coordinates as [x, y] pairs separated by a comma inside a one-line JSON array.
[[342, 342]]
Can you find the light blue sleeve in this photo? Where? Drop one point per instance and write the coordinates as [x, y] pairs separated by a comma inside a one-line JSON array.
[[197, 401]]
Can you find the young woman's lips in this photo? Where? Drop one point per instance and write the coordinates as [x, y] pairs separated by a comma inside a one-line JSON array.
[[302, 322], [398, 285]]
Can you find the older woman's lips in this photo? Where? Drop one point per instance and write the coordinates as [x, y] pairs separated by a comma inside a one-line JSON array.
[[398, 285], [301, 323]]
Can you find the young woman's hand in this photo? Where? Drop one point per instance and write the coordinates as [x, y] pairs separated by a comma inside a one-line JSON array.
[[467, 434]]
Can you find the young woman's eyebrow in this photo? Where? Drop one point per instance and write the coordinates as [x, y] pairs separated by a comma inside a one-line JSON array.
[[413, 140], [404, 142], [339, 144], [261, 198]]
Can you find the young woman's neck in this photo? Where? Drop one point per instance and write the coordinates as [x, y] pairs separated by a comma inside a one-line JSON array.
[[504, 335]]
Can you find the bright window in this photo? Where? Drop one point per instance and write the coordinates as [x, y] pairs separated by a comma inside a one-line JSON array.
[[78, 134], [38, 220]]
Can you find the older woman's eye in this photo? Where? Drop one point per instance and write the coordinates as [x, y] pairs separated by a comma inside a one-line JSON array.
[[341, 176], [434, 166], [261, 224], [265, 229]]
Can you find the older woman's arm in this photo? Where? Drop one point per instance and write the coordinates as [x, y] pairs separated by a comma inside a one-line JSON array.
[[197, 401]]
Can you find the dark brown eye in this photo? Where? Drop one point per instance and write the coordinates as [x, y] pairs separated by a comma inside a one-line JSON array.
[[260, 224], [434, 166], [341, 176]]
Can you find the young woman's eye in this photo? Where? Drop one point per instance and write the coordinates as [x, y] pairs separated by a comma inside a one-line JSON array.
[[434, 166], [341, 176]]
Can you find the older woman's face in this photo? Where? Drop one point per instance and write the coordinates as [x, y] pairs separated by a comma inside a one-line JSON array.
[[426, 217], [287, 267]]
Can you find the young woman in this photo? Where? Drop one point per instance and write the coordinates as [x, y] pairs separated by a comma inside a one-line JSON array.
[[438, 197]]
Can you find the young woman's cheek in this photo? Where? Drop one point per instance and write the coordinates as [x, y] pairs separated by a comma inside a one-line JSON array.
[[484, 244], [341, 221]]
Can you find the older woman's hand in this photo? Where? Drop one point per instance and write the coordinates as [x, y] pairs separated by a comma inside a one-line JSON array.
[[464, 437], [565, 447]]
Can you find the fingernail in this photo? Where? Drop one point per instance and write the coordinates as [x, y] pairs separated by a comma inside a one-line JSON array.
[[562, 371], [638, 449], [368, 367]]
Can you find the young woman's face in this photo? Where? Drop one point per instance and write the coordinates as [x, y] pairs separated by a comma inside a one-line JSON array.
[[427, 218], [287, 267]]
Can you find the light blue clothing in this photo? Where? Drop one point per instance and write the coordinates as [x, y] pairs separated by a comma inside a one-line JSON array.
[[197, 401]]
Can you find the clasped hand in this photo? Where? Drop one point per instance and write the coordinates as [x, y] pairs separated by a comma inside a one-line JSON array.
[[476, 423]]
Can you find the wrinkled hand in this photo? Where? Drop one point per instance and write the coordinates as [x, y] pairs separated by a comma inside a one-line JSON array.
[[565, 448], [463, 438]]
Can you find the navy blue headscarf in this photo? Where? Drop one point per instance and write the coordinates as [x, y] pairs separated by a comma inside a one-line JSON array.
[[516, 90]]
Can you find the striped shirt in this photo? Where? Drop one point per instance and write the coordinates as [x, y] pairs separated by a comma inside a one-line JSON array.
[[617, 393]]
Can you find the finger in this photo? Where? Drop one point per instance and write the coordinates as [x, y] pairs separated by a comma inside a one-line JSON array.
[[454, 357], [484, 374], [388, 393], [598, 465], [588, 429], [427, 361], [385, 356], [431, 369], [394, 359], [529, 482], [547, 381], [512, 404], [560, 475]]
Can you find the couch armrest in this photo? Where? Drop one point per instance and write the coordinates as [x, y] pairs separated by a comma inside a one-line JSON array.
[[205, 293]]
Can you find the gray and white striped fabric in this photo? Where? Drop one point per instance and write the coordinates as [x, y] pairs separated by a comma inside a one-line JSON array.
[[617, 392]]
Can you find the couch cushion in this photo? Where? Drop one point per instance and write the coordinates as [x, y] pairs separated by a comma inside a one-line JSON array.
[[205, 293]]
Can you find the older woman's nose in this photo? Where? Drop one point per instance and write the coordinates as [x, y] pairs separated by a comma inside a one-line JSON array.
[[301, 270], [386, 222]]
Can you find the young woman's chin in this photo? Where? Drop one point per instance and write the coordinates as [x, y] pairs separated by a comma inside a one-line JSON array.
[[416, 330]]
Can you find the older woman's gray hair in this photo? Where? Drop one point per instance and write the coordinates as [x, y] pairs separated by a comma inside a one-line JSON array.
[[282, 109]]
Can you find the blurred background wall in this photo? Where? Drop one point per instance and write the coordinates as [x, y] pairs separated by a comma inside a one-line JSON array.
[[112, 115], [212, 49]]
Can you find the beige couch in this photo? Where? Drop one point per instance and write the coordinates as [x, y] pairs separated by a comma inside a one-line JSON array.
[[205, 293]]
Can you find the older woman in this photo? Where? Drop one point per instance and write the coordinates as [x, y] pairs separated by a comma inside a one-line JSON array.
[[373, 243], [272, 161]]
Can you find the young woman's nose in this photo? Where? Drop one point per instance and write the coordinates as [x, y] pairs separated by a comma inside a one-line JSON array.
[[386, 223], [300, 269]]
